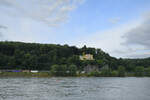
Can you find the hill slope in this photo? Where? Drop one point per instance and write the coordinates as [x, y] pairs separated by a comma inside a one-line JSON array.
[[19, 55]]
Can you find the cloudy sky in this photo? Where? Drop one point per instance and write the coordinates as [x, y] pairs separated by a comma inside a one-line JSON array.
[[119, 27]]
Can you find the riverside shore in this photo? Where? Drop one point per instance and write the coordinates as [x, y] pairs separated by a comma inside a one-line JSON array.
[[25, 74], [48, 74]]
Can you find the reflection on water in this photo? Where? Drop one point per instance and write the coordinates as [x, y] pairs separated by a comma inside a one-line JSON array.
[[74, 89]]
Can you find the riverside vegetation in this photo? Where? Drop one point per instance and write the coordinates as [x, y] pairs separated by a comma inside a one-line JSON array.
[[63, 60]]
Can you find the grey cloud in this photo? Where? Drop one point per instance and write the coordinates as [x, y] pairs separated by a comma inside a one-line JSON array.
[[132, 52], [138, 39], [123, 51], [51, 12], [138, 56], [5, 3], [3, 27], [0, 34], [140, 35]]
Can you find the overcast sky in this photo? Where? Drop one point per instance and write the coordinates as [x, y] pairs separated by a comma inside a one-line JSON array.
[[119, 27]]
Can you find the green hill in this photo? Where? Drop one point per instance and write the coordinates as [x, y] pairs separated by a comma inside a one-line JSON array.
[[19, 55]]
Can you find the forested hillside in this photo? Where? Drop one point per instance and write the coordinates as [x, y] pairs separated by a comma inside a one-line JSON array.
[[19, 55]]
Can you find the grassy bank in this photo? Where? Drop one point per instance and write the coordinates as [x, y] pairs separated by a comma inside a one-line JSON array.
[[48, 74], [25, 74]]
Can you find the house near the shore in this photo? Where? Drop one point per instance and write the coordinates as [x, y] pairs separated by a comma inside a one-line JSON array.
[[87, 57], [34, 71]]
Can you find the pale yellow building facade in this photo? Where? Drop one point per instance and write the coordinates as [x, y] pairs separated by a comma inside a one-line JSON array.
[[87, 57]]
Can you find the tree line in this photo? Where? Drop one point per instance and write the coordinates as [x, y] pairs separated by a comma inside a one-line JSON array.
[[121, 72], [35, 56]]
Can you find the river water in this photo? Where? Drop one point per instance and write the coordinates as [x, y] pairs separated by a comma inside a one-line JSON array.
[[75, 88]]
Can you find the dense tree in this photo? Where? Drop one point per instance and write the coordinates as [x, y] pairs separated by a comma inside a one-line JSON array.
[[147, 71], [94, 73], [121, 71], [59, 70], [72, 69], [64, 70], [139, 71], [114, 73], [106, 71], [55, 70], [19, 55]]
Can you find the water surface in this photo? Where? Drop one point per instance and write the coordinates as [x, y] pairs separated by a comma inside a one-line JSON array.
[[75, 88]]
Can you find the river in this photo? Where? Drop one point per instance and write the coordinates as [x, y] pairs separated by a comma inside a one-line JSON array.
[[61, 88]]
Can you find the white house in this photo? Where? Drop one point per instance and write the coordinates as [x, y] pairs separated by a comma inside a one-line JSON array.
[[34, 71]]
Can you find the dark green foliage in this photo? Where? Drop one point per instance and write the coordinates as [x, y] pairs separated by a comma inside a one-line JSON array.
[[139, 71], [72, 69], [59, 70], [55, 70], [94, 73], [34, 56], [147, 71], [64, 70], [121, 71], [31, 56], [114, 73], [106, 72]]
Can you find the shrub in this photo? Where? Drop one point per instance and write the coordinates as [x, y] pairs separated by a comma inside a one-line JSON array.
[[94, 73], [139, 71], [114, 73], [147, 71], [121, 71], [106, 72], [72, 70], [59, 70]]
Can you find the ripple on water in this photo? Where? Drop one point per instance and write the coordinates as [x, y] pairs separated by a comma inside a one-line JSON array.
[[74, 88]]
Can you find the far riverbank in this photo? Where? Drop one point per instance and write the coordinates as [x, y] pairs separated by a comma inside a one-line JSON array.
[[48, 74]]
